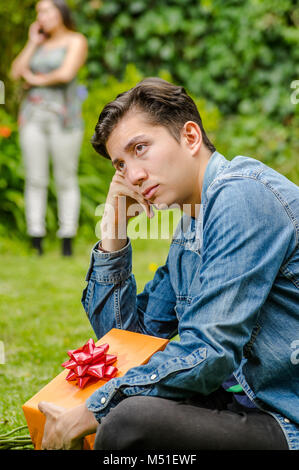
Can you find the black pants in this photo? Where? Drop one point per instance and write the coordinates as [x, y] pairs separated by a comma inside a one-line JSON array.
[[216, 422]]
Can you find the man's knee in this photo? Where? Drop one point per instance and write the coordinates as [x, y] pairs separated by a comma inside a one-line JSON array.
[[124, 426]]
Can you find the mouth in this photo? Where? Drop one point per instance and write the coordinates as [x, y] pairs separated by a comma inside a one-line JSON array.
[[149, 192]]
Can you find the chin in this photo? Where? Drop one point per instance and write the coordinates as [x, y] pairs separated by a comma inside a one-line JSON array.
[[160, 206], [165, 200], [47, 31], [50, 28], [164, 205]]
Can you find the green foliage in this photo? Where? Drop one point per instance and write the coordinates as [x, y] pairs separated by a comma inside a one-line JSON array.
[[11, 177], [44, 317], [236, 59], [95, 172], [241, 56], [277, 145], [15, 18]]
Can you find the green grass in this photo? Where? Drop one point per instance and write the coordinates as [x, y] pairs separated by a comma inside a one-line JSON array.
[[41, 315]]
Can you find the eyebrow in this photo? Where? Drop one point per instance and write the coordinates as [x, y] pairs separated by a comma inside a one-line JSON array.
[[130, 144]]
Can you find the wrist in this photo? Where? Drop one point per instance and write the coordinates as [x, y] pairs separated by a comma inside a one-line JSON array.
[[108, 246], [113, 234], [79, 422], [31, 43]]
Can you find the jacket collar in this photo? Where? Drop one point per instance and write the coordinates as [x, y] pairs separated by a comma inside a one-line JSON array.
[[216, 163]]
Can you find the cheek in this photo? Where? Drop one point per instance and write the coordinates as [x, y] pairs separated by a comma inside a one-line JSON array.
[[163, 160], [54, 17]]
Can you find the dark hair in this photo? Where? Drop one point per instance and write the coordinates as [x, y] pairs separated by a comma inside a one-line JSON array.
[[65, 13], [163, 103]]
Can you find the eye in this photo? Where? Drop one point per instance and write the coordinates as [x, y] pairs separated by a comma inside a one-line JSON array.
[[139, 148], [120, 166]]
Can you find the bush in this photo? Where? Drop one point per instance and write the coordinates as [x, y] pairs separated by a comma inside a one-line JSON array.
[[95, 172], [257, 136], [238, 59], [11, 178], [241, 56]]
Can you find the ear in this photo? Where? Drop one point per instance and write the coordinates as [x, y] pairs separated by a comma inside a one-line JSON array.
[[192, 136]]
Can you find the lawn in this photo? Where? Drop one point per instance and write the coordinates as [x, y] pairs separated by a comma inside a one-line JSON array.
[[42, 316]]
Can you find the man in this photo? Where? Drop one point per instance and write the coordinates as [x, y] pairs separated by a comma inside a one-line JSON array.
[[230, 288]]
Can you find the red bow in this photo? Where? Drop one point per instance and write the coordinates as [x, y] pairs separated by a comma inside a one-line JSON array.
[[89, 362]]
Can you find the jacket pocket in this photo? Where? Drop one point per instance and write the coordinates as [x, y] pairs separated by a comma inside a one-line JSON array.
[[87, 297]]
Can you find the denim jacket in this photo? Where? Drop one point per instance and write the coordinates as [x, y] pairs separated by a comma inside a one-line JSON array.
[[229, 288]]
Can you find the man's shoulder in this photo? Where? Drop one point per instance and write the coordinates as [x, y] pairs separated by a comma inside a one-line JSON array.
[[241, 170], [250, 172], [238, 176], [242, 165], [246, 185]]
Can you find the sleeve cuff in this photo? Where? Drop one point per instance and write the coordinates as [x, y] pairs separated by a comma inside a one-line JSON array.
[[114, 266]]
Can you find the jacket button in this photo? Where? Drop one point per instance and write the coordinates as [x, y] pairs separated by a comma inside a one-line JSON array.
[[103, 400], [153, 376], [286, 420]]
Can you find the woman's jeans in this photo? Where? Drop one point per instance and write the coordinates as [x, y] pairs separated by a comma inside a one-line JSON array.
[[40, 137], [216, 422]]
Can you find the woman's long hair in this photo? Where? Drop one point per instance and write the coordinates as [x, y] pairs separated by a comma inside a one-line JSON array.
[[66, 13]]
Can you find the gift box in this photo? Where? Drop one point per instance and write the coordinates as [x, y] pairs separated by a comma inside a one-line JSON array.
[[131, 350]]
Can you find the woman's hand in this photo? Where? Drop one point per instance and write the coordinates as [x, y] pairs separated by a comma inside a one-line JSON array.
[[21, 63], [34, 79], [35, 35]]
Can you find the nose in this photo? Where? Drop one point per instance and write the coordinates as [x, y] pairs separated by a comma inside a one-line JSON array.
[[136, 174]]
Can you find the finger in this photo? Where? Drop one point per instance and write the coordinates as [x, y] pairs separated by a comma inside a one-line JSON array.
[[152, 213], [146, 205], [121, 189], [147, 209], [50, 409], [119, 178], [42, 406]]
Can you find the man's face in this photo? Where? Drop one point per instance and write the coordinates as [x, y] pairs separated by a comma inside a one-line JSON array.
[[151, 160]]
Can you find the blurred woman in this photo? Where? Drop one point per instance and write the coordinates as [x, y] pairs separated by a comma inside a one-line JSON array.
[[50, 121]]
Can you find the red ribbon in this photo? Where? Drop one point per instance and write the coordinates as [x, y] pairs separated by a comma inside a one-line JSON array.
[[90, 362]]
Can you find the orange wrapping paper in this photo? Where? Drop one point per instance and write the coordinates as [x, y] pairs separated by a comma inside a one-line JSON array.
[[131, 349]]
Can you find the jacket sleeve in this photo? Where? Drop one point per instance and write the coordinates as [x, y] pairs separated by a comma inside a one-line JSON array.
[[110, 299], [243, 249]]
